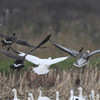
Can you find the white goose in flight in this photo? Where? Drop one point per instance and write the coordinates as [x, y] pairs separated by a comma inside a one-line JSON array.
[[43, 64]]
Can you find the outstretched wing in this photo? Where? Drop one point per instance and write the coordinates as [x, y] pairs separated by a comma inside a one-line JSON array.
[[69, 51], [92, 53], [38, 61], [9, 54], [3, 35], [34, 59], [24, 43], [40, 44], [30, 58], [56, 60]]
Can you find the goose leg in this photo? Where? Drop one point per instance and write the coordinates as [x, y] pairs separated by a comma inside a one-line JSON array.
[[18, 70], [13, 70], [9, 47]]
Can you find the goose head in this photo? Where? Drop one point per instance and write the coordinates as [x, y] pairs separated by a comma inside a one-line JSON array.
[[14, 90], [71, 92], [14, 34], [92, 91], [15, 94], [80, 89], [87, 51], [49, 58]]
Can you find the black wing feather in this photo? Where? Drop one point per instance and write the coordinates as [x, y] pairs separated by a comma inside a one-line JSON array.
[[24, 43], [9, 54], [3, 35], [69, 51]]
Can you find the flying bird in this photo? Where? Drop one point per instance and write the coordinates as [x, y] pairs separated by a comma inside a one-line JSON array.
[[19, 61], [10, 39], [83, 58], [43, 64]]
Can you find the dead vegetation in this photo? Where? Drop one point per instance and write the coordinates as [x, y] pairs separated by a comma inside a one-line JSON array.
[[56, 80]]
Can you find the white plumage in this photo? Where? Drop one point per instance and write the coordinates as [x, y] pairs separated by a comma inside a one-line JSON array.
[[15, 94], [30, 96], [80, 94], [42, 98], [57, 95], [92, 94], [43, 64], [72, 97]]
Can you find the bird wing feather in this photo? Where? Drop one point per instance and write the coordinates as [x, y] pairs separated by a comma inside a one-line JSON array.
[[56, 60], [70, 51], [3, 35], [9, 54], [22, 42], [94, 52]]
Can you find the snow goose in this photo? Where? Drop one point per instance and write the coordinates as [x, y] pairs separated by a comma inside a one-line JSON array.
[[83, 58], [72, 97], [30, 96], [90, 97], [97, 97], [10, 39], [80, 94], [19, 63], [43, 64], [15, 94], [92, 94], [57, 95], [42, 98]]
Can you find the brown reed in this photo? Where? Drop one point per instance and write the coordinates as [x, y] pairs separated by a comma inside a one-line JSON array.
[[56, 80]]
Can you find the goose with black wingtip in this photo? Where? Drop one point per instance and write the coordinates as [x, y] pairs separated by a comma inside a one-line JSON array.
[[83, 58], [43, 64], [19, 61]]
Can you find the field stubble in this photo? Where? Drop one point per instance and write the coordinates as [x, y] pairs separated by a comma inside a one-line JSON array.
[[56, 80]]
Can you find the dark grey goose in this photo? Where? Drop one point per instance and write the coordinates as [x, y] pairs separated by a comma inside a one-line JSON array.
[[19, 61], [10, 39], [83, 58]]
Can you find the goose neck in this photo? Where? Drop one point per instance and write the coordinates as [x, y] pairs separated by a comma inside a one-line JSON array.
[[57, 95], [15, 94]]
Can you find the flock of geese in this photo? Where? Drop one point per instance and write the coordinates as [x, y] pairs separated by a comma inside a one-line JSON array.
[[72, 97], [43, 64]]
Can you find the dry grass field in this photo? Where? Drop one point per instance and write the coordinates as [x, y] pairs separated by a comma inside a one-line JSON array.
[[56, 80]]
